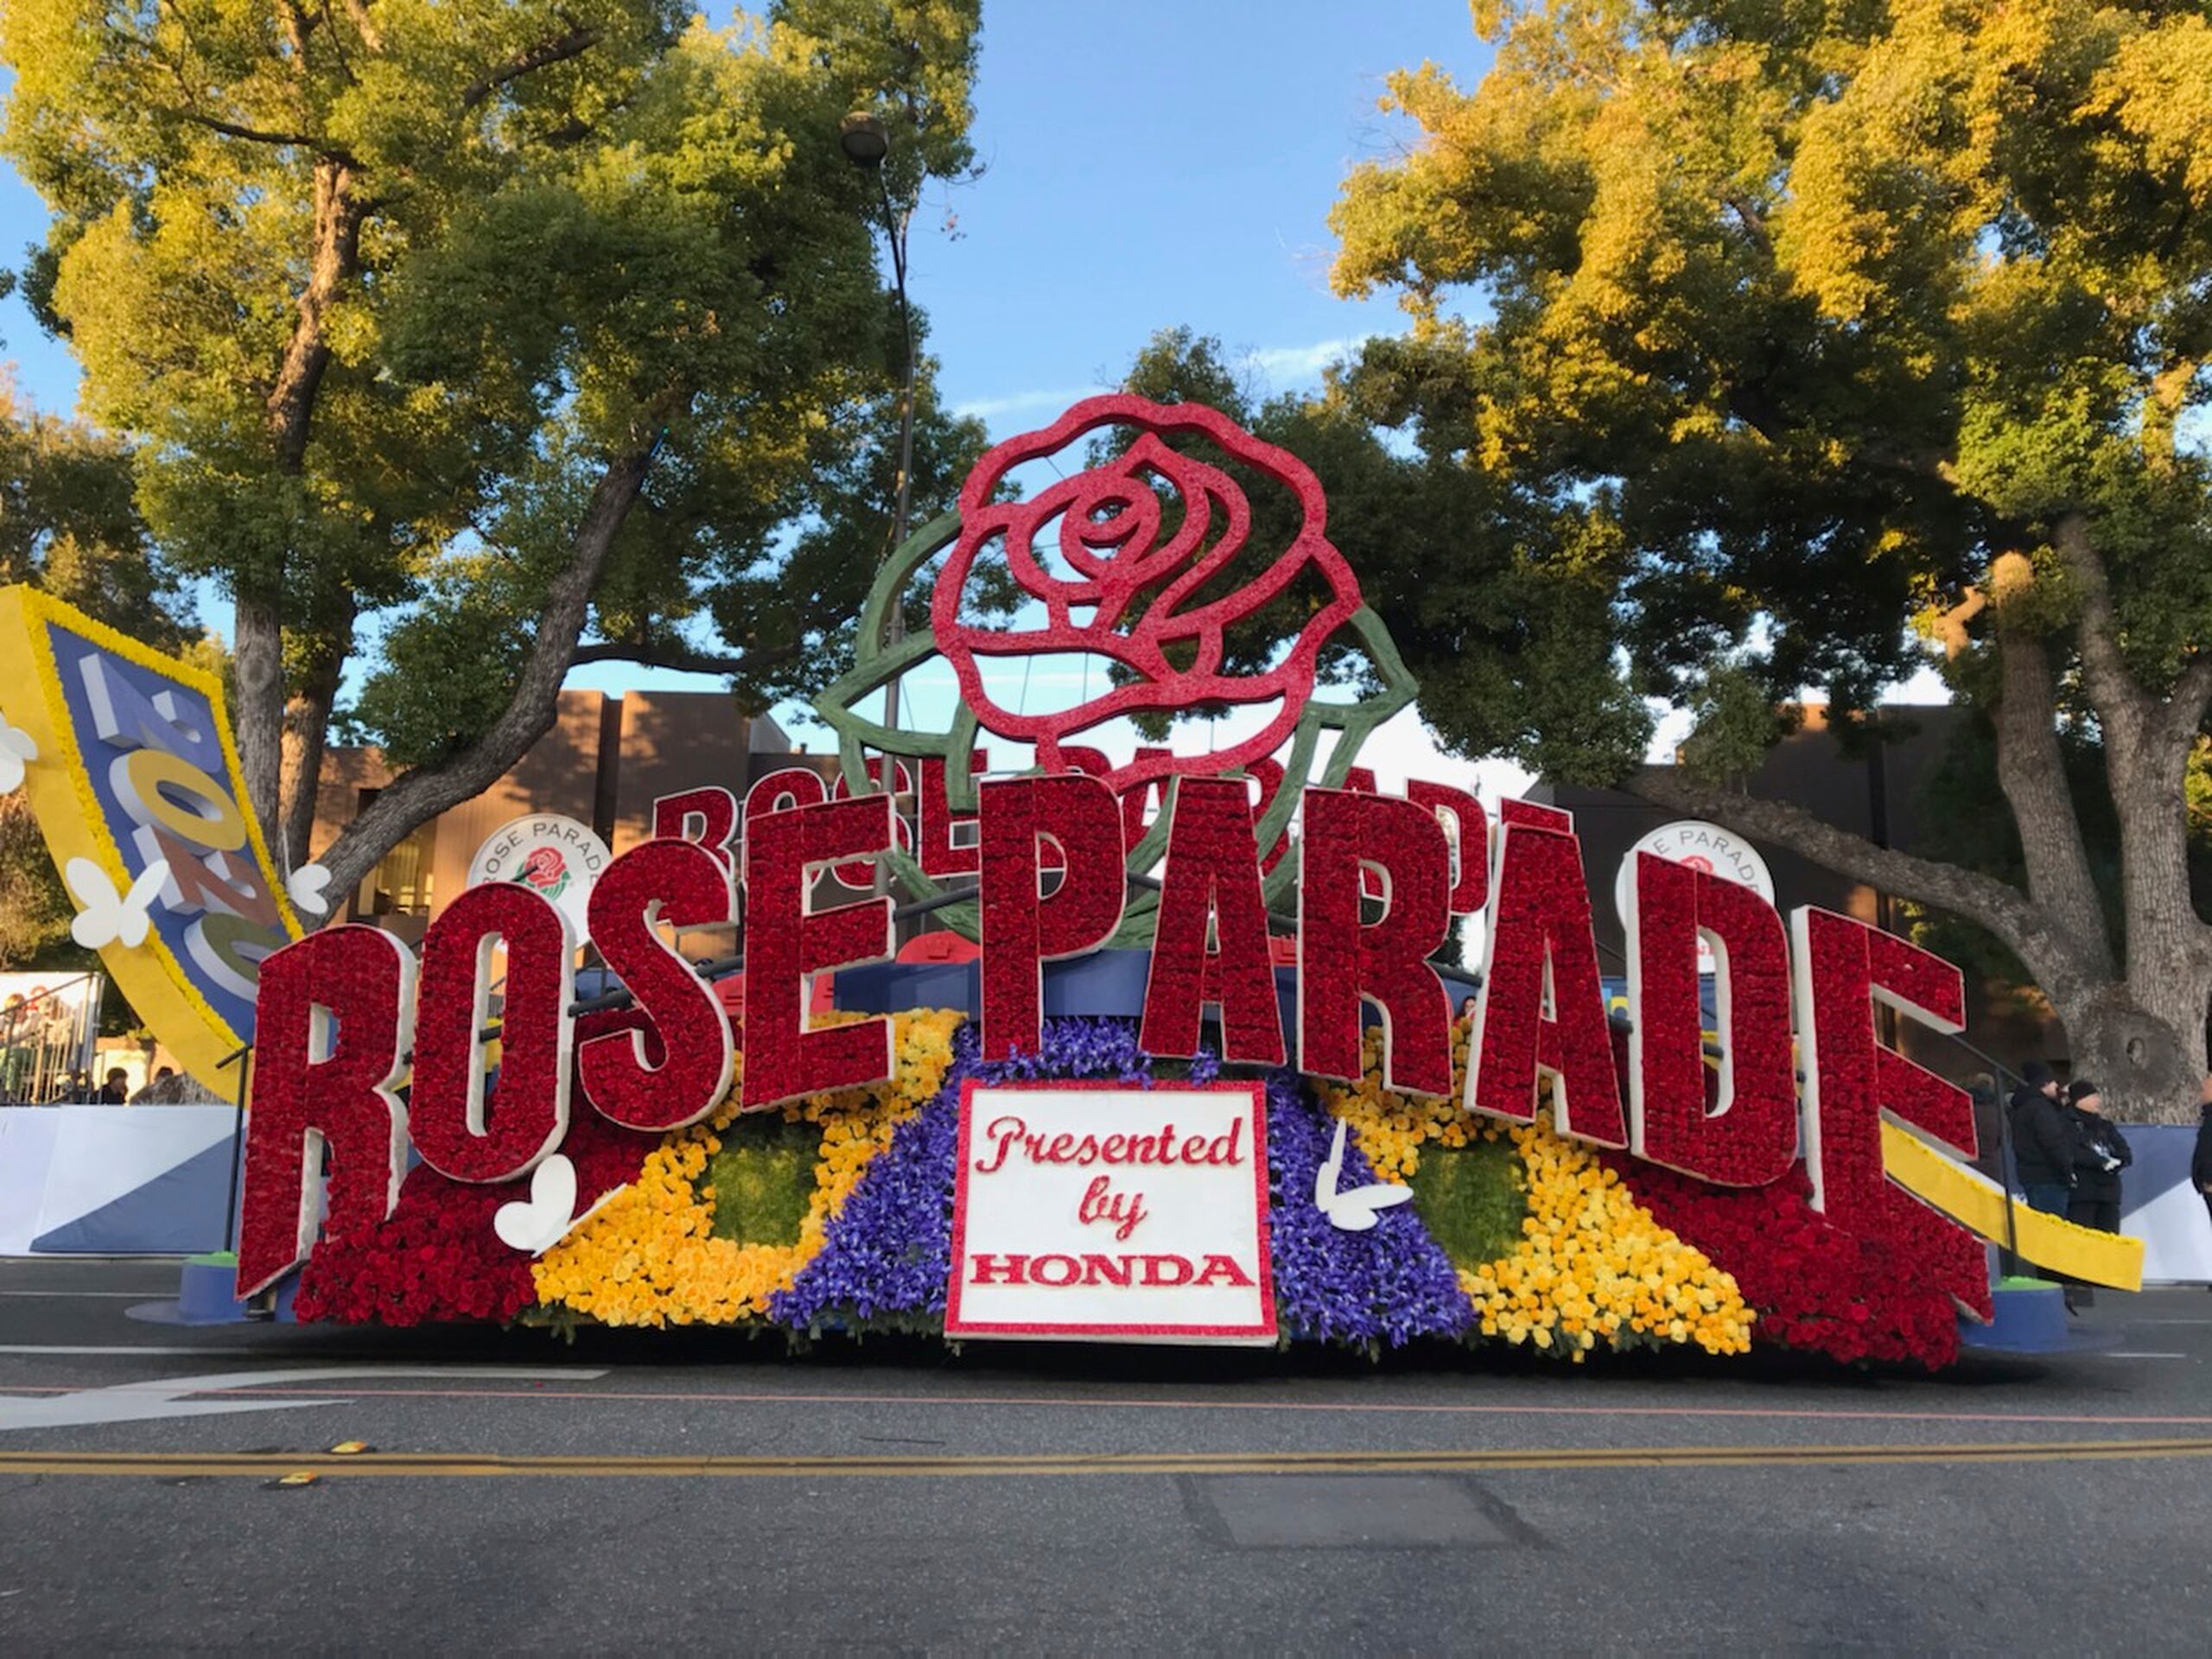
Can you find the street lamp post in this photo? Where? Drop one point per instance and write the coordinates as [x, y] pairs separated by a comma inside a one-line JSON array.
[[866, 141]]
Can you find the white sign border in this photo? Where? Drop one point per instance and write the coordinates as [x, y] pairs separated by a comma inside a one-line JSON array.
[[1265, 1333]]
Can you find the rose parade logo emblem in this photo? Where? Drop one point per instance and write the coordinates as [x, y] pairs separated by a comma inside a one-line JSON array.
[[546, 871]]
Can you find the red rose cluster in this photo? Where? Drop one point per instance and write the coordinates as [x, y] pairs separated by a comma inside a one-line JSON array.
[[1027, 928], [1212, 888], [314, 1090], [1343, 957], [1542, 949], [1744, 1132], [1853, 1296], [435, 1257]]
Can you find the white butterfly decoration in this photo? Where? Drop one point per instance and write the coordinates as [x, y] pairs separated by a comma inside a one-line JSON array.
[[17, 746], [304, 886], [1353, 1211], [534, 1225], [105, 916]]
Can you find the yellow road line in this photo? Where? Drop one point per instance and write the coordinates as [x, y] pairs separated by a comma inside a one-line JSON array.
[[479, 1465]]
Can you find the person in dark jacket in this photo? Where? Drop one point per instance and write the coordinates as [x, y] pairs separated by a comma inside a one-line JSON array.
[[2042, 1139], [2101, 1152]]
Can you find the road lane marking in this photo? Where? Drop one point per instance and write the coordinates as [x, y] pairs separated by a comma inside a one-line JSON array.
[[692, 1396], [165, 1397], [223, 1350], [484, 1466], [73, 1296]]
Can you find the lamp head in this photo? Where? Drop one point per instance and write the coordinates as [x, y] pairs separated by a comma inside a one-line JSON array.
[[864, 139]]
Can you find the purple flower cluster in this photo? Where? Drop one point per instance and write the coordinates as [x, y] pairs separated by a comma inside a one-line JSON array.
[[1389, 1285], [888, 1257]]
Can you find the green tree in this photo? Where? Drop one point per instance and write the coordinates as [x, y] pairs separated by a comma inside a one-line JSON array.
[[68, 525], [412, 304], [773, 608], [1842, 316], [1503, 633]]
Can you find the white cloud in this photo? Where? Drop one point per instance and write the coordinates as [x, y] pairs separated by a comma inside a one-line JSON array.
[[1055, 399], [1296, 365], [1281, 366]]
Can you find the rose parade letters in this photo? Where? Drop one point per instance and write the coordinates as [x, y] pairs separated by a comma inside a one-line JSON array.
[[341, 1025]]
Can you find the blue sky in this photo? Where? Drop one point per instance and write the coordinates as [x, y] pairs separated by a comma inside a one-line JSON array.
[[1149, 164]]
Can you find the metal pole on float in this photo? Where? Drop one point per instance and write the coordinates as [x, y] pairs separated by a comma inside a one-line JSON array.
[[244, 1058]]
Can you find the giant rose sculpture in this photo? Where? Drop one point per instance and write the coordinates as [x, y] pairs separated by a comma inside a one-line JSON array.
[[1149, 560], [1143, 582]]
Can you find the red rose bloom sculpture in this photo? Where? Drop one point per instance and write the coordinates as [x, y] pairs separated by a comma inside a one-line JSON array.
[[1143, 594]]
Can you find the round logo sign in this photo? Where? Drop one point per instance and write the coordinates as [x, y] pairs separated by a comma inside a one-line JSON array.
[[556, 856], [1701, 846]]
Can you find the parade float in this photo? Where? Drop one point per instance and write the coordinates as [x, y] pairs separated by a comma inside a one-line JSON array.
[[1179, 1065]]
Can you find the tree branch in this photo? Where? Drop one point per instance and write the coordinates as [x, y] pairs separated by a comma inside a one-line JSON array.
[[2186, 704], [258, 135], [2031, 769], [2146, 744], [578, 40], [422, 793], [2118, 699], [2050, 954], [683, 659], [1752, 221]]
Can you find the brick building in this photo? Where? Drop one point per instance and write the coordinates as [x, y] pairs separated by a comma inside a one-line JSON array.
[[605, 762]]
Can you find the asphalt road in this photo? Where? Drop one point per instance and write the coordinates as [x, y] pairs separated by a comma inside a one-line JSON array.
[[627, 1494]]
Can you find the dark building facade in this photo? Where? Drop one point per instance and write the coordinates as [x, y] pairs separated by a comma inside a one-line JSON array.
[[1877, 794]]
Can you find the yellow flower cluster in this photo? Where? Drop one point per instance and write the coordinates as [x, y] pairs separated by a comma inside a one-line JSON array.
[[650, 1256], [1593, 1264], [1392, 1127]]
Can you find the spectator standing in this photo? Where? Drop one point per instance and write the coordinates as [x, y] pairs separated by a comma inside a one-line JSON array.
[[115, 1089], [15, 1048], [2101, 1152], [2042, 1140]]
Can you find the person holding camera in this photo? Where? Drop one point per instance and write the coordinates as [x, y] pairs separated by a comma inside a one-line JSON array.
[[2101, 1152]]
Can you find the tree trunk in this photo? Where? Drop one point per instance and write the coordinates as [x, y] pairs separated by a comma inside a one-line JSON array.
[[259, 720], [258, 713], [2032, 771], [2144, 1038], [305, 732], [2138, 1049], [333, 260], [2148, 1035]]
